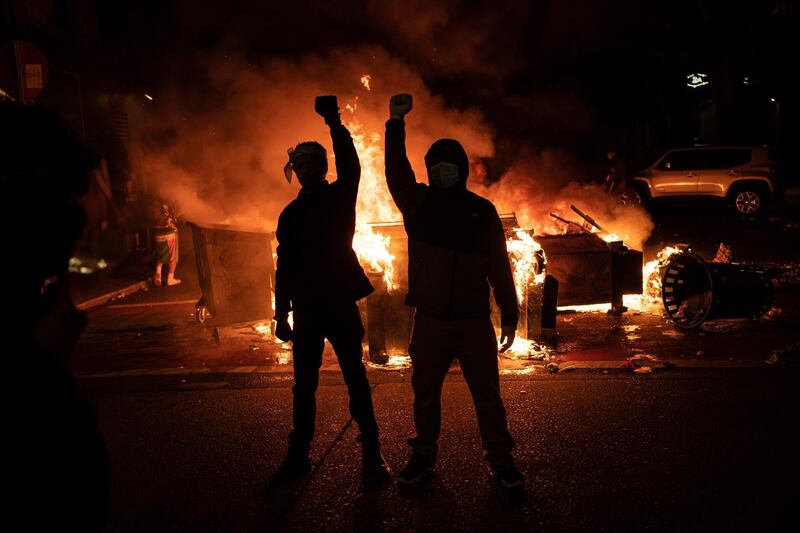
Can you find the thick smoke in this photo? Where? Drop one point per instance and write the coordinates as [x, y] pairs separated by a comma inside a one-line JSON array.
[[550, 181], [224, 160], [224, 147]]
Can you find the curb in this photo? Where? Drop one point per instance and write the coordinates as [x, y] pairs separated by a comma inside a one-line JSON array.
[[109, 296], [537, 370]]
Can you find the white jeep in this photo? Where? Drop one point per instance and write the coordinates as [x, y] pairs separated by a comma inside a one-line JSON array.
[[742, 175]]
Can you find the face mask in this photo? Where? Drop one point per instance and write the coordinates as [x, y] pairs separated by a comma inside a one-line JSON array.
[[443, 175]]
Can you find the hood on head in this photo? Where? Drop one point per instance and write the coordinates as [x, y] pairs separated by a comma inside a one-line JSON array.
[[449, 151]]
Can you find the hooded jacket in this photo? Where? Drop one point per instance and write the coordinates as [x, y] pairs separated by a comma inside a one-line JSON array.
[[316, 264], [456, 243]]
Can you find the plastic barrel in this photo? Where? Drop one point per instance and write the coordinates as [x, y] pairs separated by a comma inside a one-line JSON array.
[[694, 290]]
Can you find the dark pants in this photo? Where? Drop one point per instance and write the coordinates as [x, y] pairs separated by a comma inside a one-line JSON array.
[[434, 344], [341, 325]]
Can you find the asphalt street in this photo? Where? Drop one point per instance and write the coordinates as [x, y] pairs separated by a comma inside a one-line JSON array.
[[685, 450]]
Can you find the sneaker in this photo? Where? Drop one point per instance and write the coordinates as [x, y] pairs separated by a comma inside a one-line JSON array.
[[418, 467], [374, 466], [508, 475], [295, 466]]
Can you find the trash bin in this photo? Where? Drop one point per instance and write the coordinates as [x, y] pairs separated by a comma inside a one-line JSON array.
[[236, 273], [694, 290]]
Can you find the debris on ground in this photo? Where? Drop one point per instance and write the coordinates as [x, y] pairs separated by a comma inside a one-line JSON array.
[[552, 367], [727, 325], [643, 360], [788, 355], [773, 313], [724, 254]]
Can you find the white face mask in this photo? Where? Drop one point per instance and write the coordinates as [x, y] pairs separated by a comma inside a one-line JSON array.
[[443, 175]]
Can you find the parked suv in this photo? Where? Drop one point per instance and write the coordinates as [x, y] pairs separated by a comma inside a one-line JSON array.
[[744, 176]]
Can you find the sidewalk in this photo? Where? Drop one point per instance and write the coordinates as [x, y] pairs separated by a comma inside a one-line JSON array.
[[155, 333]]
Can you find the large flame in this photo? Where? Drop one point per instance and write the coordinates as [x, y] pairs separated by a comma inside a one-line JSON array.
[[523, 251], [374, 202], [375, 205]]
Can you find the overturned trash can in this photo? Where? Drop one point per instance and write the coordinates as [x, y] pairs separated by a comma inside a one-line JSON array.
[[236, 273], [694, 290]]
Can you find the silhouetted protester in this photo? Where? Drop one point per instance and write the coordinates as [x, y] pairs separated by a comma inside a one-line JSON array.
[[318, 278], [55, 460], [456, 250]]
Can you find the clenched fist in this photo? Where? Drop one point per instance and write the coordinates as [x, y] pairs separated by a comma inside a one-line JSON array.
[[327, 107], [400, 105]]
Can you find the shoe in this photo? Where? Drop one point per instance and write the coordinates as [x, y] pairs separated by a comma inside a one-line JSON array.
[[508, 475], [295, 466], [417, 469], [172, 280], [374, 466]]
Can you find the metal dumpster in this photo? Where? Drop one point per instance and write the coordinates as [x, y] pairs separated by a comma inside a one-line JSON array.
[[236, 273], [694, 290]]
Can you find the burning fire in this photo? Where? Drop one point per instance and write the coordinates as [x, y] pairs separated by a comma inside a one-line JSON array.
[[374, 202], [525, 254], [650, 299]]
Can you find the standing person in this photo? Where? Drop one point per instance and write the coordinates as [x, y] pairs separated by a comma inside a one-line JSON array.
[[166, 236], [456, 250], [319, 279], [618, 172]]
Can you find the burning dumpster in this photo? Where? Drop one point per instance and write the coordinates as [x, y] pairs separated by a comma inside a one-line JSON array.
[[549, 270], [236, 273], [694, 290], [590, 270], [388, 320]]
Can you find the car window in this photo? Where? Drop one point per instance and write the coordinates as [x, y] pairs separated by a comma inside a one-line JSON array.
[[724, 158], [683, 160]]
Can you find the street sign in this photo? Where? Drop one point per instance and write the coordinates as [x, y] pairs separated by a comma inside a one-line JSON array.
[[696, 80], [31, 71]]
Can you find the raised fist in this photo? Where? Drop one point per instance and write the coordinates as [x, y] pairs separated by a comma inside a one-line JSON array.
[[326, 106], [400, 105]]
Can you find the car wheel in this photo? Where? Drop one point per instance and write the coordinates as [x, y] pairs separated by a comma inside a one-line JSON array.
[[748, 202]]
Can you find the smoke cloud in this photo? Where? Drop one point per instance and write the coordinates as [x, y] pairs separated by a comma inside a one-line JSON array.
[[222, 146], [223, 158]]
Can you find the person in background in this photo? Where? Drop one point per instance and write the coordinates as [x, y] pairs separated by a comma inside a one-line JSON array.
[[166, 237], [319, 279], [456, 252], [618, 172]]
